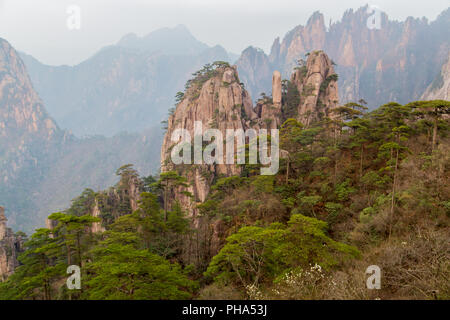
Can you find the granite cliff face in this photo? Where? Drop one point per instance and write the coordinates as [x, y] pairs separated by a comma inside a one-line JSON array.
[[255, 71], [216, 99], [439, 89], [393, 63], [26, 129], [28, 135], [43, 167], [10, 247], [219, 102], [317, 84], [298, 42]]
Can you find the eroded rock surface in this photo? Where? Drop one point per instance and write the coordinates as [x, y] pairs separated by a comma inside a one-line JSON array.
[[217, 100], [10, 247], [317, 84], [439, 89]]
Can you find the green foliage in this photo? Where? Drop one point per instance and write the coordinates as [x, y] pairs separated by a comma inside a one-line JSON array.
[[228, 184], [326, 82], [264, 184], [34, 277], [121, 271], [179, 97], [369, 178], [307, 203], [128, 263], [367, 214], [167, 183], [372, 180], [308, 90], [344, 190], [446, 205], [256, 253], [69, 234], [290, 100], [333, 210], [303, 71], [82, 204], [207, 72]]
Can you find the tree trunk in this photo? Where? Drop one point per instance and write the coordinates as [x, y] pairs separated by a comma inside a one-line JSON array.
[[79, 257], [335, 170], [361, 162], [335, 161], [165, 201], [79, 249], [393, 194], [46, 291], [46, 282], [287, 171], [69, 262], [69, 254], [433, 143]]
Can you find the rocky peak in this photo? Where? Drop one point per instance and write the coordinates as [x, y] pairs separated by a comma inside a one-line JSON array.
[[28, 136], [255, 69], [301, 40], [177, 40], [3, 221], [217, 99], [269, 109], [20, 106], [373, 63], [275, 51], [26, 129], [317, 84]]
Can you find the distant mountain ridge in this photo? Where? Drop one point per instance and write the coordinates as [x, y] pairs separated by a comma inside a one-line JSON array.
[[124, 87], [43, 167], [394, 63], [181, 41]]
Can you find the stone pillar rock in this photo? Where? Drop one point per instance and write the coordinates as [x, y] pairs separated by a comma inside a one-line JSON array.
[[10, 247], [2, 223], [276, 89]]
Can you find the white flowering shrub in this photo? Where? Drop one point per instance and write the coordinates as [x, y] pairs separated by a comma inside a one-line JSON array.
[[254, 293], [300, 284]]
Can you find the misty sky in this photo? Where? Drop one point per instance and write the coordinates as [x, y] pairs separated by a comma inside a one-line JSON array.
[[38, 27]]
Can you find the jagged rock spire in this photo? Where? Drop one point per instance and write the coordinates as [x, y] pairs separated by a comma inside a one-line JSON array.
[[2, 214], [318, 88], [2, 223]]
